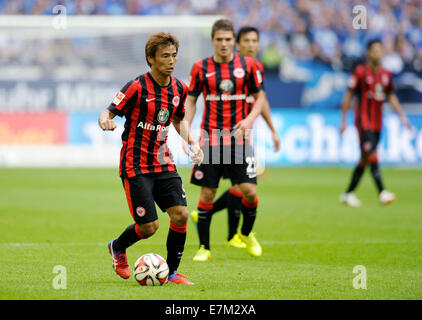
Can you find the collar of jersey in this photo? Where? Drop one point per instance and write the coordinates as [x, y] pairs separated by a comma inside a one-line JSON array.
[[234, 56], [155, 82]]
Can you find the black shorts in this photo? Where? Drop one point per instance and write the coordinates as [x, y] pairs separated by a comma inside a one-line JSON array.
[[368, 141], [165, 189], [238, 166]]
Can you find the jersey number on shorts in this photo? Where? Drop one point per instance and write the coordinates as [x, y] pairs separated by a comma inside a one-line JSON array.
[[251, 168]]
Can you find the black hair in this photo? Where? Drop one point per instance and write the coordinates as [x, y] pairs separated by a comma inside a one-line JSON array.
[[372, 42], [246, 29]]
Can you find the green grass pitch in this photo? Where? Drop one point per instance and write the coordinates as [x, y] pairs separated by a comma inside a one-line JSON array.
[[310, 242]]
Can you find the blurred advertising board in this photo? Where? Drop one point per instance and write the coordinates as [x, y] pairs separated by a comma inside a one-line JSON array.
[[307, 139], [313, 139], [33, 128]]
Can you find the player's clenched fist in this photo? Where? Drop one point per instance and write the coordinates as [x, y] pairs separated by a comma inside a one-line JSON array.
[[106, 121], [108, 125]]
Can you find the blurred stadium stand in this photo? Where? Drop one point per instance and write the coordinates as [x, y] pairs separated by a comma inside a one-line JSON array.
[[308, 47], [296, 37]]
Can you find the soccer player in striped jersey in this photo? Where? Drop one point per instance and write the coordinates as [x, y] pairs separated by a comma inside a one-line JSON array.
[[247, 44], [372, 84], [225, 80], [150, 103]]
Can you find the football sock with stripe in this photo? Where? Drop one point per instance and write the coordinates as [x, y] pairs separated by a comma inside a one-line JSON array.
[[204, 222], [130, 236], [221, 202], [234, 206], [373, 160], [356, 176], [176, 239], [249, 215]]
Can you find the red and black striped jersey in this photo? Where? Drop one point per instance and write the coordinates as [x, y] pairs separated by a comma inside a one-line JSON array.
[[250, 100], [148, 109], [371, 88], [225, 87]]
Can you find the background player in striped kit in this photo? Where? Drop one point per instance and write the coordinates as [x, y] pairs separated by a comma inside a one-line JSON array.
[[247, 44], [150, 103], [372, 84], [225, 79]]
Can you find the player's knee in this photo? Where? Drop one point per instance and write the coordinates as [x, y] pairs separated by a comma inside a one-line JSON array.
[[373, 158], [208, 194], [362, 162], [236, 188], [148, 229], [250, 194], [180, 217]]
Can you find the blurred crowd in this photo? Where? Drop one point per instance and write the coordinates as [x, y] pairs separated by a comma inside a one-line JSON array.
[[319, 30]]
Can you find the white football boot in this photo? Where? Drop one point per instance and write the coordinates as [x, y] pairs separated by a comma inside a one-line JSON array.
[[350, 199], [386, 197]]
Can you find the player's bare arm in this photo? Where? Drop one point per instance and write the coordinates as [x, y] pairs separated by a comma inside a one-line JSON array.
[[395, 104], [347, 103], [246, 123], [190, 106], [105, 120], [266, 114], [183, 129]]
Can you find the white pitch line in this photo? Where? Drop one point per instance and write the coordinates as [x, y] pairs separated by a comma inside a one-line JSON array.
[[264, 242], [373, 241]]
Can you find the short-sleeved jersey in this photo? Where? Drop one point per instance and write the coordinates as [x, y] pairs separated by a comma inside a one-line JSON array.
[[149, 109], [225, 88], [371, 88], [250, 99]]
